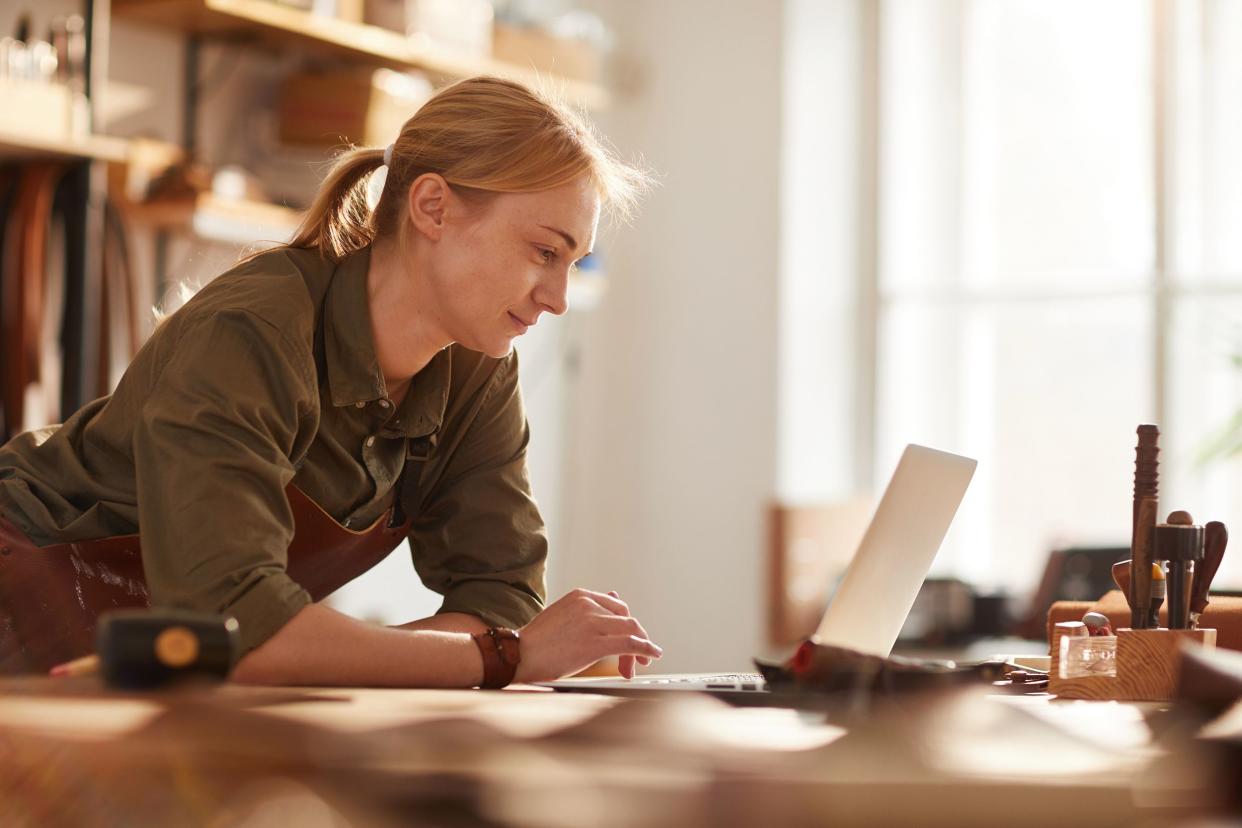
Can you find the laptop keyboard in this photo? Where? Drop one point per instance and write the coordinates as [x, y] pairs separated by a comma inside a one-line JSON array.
[[725, 681]]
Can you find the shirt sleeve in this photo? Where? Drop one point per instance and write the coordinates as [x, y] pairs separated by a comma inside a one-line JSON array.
[[211, 453], [478, 538]]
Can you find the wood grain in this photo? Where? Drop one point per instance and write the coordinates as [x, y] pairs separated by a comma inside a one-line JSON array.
[[1147, 662]]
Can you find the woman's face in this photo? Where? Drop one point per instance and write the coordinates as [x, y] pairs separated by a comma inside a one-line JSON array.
[[501, 265]]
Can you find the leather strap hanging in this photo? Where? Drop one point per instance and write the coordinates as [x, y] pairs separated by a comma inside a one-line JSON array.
[[8, 186], [25, 273]]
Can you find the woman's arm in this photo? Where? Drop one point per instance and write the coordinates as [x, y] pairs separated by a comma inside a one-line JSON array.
[[320, 646], [447, 622]]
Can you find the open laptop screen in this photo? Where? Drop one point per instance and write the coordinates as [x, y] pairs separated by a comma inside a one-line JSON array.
[[885, 574]]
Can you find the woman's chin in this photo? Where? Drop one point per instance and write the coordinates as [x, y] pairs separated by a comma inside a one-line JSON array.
[[495, 348]]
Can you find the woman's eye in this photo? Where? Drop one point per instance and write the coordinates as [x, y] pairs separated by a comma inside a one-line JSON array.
[[546, 253]]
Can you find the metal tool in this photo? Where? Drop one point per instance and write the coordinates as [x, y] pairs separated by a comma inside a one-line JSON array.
[[1180, 542], [1215, 539], [1159, 591], [1159, 588]]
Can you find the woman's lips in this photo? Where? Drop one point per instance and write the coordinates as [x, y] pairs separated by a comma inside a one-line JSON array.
[[522, 324]]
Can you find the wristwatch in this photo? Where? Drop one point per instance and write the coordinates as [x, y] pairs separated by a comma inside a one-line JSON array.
[[501, 650]]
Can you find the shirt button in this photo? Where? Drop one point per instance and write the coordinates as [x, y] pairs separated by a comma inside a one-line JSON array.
[[384, 403], [360, 404], [370, 441]]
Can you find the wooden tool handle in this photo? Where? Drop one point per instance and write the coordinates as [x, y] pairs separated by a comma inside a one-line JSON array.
[[1121, 577], [1216, 538], [1141, 558]]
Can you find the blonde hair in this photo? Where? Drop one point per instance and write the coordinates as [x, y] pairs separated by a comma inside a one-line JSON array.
[[485, 136]]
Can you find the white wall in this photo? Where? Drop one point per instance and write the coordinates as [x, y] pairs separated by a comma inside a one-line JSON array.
[[823, 249], [674, 434]]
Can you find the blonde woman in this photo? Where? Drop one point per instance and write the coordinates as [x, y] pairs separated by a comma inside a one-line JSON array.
[[322, 401]]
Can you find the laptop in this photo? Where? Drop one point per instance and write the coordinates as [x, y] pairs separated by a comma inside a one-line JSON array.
[[879, 586]]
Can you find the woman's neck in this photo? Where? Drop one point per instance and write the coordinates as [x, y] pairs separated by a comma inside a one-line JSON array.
[[404, 322]]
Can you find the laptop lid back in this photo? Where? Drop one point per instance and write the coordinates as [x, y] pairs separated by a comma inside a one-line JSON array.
[[884, 576]]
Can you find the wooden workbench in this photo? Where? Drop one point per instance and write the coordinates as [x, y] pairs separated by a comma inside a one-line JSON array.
[[72, 753]]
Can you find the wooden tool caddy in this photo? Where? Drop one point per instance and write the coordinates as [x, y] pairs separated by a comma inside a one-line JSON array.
[[1146, 666]]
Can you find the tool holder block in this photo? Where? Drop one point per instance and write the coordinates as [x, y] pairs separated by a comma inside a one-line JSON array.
[[1146, 662]]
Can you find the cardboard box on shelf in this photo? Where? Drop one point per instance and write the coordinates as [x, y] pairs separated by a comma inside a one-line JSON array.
[[461, 25], [534, 48], [366, 107], [40, 111]]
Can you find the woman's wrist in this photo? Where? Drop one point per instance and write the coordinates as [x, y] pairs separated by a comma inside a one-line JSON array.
[[500, 650]]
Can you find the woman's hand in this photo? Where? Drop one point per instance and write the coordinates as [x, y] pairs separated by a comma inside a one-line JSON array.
[[579, 630]]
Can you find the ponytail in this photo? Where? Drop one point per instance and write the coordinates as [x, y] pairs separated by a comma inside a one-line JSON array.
[[339, 220]]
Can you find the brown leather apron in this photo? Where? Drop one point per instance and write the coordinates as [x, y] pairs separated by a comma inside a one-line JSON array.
[[51, 596]]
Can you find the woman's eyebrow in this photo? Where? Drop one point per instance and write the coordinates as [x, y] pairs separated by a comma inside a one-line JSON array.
[[569, 240]]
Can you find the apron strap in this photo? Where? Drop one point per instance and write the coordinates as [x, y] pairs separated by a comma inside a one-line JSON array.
[[417, 451]]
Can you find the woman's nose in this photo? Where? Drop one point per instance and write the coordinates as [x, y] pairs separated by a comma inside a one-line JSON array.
[[553, 295]]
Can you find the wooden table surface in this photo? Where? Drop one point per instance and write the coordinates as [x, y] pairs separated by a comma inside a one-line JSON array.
[[526, 756]]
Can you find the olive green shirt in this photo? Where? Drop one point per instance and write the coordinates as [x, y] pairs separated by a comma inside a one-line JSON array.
[[269, 376]]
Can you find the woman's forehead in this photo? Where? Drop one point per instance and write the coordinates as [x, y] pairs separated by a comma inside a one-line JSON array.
[[570, 209]]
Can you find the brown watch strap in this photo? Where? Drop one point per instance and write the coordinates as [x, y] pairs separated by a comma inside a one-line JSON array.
[[501, 652]]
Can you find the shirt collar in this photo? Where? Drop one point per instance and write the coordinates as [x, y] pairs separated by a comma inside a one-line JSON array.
[[354, 375], [353, 369], [422, 411]]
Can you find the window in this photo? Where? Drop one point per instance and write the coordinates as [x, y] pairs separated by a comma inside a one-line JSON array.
[[1057, 189], [1057, 185]]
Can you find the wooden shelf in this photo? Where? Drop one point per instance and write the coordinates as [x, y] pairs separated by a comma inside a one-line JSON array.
[[16, 145], [37, 120], [219, 219], [278, 25]]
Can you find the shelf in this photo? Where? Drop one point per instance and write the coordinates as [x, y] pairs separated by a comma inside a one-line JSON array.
[[46, 120], [15, 145], [218, 219], [279, 25]]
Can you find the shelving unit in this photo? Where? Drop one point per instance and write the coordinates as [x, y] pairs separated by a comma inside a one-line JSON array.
[[36, 121], [268, 23], [219, 219], [16, 145]]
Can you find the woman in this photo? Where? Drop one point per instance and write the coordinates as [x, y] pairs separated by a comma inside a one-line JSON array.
[[319, 402]]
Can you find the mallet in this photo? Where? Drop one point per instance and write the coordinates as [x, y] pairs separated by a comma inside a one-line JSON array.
[[147, 648]]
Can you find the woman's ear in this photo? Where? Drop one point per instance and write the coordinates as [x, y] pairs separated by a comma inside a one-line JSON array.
[[427, 199]]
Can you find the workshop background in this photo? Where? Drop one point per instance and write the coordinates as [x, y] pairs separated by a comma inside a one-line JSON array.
[[1004, 228]]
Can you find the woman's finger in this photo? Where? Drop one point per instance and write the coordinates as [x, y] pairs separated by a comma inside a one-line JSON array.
[[614, 605], [615, 624], [636, 646], [625, 666]]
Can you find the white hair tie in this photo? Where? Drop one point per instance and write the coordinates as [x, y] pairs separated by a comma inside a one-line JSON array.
[[388, 156]]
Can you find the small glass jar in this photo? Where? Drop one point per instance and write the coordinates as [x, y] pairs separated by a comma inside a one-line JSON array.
[[1093, 655]]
